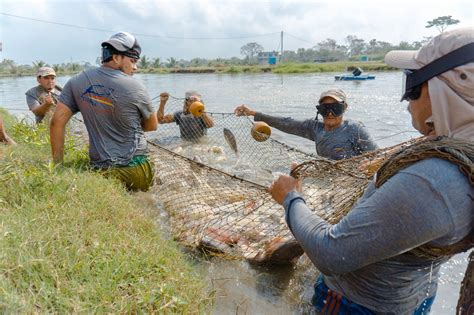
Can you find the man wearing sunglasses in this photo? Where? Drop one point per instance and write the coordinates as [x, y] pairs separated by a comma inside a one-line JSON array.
[[190, 127], [335, 137], [116, 109], [385, 255]]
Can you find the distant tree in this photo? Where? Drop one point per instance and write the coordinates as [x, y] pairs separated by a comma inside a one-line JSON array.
[[356, 45], [172, 62], [75, 66], [250, 50], [404, 46], [194, 62], [9, 66], [327, 50], [442, 22], [329, 44], [156, 62], [144, 62], [38, 64]]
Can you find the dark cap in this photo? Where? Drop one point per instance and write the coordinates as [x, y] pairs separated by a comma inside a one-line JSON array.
[[123, 43]]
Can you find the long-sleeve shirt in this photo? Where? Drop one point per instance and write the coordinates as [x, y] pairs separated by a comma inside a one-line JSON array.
[[348, 140], [364, 256]]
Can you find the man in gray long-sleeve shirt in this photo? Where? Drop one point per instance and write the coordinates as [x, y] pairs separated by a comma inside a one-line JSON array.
[[384, 256], [335, 138]]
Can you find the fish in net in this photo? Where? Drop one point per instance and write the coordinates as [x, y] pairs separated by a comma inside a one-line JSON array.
[[231, 145], [215, 189]]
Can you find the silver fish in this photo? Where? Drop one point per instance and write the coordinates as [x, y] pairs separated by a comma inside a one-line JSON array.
[[230, 139]]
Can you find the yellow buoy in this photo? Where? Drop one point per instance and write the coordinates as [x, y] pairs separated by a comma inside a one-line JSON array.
[[197, 109], [260, 131]]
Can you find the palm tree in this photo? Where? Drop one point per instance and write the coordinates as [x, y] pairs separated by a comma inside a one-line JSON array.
[[38, 64], [144, 62], [156, 63], [172, 62]]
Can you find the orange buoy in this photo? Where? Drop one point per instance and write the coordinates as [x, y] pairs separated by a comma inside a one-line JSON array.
[[197, 109], [260, 131]]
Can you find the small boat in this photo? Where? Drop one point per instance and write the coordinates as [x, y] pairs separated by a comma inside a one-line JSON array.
[[356, 75], [351, 77]]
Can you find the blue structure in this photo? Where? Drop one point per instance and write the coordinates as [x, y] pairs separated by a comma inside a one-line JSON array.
[[355, 76], [267, 58], [351, 77]]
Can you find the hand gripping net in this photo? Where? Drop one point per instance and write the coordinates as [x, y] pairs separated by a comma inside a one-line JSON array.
[[217, 197]]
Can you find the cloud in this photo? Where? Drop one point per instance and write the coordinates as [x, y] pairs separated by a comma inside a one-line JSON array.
[[309, 22]]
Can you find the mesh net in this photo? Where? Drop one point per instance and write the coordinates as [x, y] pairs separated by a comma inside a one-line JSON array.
[[215, 188]]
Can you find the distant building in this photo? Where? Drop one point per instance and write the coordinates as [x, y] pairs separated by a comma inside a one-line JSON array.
[[267, 58]]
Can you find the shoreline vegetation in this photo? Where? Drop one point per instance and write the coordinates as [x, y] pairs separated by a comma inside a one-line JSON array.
[[282, 68], [72, 241]]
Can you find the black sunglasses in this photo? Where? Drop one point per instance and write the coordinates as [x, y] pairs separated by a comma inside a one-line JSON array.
[[413, 79], [337, 109], [410, 93]]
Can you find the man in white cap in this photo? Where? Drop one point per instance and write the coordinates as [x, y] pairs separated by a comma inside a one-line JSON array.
[[385, 255], [335, 137], [190, 127], [42, 99], [116, 109]]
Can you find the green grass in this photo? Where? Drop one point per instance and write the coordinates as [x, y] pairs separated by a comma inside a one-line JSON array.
[[72, 241], [330, 67], [339, 66]]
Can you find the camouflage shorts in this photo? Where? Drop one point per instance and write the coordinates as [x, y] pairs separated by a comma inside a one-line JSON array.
[[137, 175]]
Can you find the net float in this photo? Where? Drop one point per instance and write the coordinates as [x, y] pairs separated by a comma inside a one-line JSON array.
[[260, 131], [196, 109]]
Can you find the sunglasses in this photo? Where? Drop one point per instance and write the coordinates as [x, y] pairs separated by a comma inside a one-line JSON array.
[[409, 93], [337, 109]]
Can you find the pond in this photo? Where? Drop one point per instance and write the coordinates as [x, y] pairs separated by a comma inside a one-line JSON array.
[[241, 288]]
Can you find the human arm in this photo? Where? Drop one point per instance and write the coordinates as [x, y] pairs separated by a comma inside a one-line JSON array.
[[208, 121], [57, 130], [41, 106], [409, 210], [289, 125], [148, 119], [150, 123], [363, 139], [244, 110], [162, 118]]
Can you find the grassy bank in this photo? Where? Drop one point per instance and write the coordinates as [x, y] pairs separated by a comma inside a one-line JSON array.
[[280, 68], [341, 66], [73, 241]]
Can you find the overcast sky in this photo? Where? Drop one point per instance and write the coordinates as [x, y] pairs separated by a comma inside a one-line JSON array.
[[155, 22]]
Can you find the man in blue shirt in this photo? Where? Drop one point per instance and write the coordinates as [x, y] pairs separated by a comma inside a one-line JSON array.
[[190, 127], [335, 137]]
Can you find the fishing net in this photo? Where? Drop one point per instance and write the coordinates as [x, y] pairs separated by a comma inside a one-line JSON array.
[[229, 146], [215, 188]]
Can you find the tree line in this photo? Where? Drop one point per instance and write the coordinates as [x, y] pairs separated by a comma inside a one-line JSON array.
[[352, 48]]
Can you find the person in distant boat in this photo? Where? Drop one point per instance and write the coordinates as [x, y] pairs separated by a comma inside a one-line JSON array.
[[190, 127], [335, 137], [4, 137], [42, 99], [116, 109], [385, 255]]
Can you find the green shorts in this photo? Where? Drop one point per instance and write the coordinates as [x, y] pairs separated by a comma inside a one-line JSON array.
[[137, 175]]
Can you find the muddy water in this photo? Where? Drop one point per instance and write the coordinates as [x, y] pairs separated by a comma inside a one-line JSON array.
[[239, 287]]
